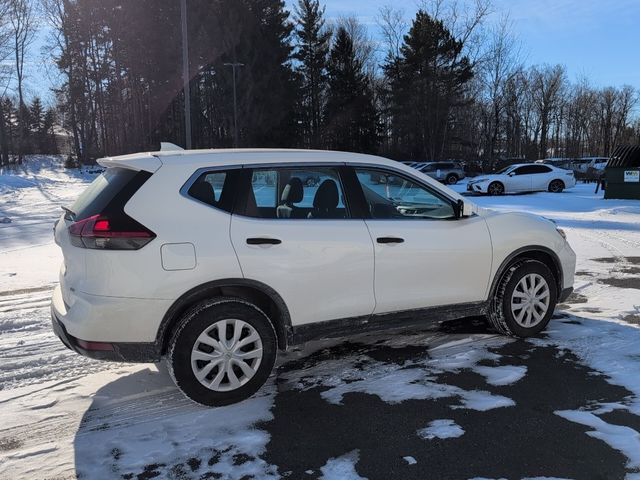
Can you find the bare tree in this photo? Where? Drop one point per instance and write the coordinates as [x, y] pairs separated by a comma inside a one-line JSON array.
[[5, 76], [22, 18], [464, 19], [547, 86], [501, 63], [393, 25]]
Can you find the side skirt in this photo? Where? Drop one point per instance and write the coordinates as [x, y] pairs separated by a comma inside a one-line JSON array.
[[404, 319]]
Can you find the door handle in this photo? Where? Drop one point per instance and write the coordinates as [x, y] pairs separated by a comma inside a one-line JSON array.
[[263, 241], [389, 240]]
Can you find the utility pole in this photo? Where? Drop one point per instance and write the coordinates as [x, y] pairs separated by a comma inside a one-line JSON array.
[[185, 75], [235, 102]]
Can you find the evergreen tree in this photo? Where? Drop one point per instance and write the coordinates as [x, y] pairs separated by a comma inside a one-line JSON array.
[[350, 114], [313, 42], [34, 119], [426, 83]]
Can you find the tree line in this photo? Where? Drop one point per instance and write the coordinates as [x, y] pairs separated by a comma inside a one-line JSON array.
[[445, 84]]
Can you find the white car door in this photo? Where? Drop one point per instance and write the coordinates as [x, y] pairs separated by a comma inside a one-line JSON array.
[[423, 256], [540, 177], [519, 179], [297, 237]]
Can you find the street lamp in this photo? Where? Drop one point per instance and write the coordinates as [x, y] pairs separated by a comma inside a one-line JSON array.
[[235, 105], [185, 75]]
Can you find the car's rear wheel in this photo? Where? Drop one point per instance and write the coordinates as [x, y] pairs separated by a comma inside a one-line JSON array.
[[495, 188], [222, 351], [524, 299], [556, 186], [452, 179]]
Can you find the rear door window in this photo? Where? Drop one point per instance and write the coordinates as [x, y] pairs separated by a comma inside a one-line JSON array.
[[296, 193]]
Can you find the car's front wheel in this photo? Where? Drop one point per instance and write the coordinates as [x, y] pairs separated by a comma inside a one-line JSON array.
[[222, 351], [452, 179], [524, 299]]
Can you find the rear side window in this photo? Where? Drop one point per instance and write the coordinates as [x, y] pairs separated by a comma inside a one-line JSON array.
[[214, 188], [109, 192]]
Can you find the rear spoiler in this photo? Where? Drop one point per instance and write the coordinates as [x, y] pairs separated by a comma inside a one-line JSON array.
[[137, 161]]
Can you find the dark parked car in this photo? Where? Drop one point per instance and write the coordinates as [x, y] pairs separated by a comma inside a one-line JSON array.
[[447, 172]]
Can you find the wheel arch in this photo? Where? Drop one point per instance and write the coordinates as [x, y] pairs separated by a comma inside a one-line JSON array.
[[257, 293], [531, 252]]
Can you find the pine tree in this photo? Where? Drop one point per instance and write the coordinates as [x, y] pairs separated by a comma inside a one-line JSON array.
[[313, 42], [35, 118], [426, 83], [350, 114]]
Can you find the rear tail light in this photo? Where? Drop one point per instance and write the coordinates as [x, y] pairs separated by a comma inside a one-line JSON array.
[[110, 233]]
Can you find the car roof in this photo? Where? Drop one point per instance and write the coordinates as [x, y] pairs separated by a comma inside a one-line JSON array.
[[532, 164], [151, 161]]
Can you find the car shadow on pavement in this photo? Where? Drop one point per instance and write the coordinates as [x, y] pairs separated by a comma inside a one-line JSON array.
[[140, 426]]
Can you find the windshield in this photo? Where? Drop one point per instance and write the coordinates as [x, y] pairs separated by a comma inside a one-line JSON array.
[[506, 169]]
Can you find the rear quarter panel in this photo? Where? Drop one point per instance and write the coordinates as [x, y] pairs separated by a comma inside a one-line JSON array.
[[159, 206]]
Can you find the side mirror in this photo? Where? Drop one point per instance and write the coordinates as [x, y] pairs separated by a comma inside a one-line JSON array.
[[511, 174]]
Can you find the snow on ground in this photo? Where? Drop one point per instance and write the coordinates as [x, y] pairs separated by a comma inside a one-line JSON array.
[[445, 428], [62, 415], [416, 379], [342, 468]]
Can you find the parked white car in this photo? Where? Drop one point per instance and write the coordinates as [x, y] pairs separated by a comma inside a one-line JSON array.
[[527, 177], [217, 259]]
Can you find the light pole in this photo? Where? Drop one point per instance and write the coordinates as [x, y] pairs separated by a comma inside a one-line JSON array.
[[235, 102], [185, 75]]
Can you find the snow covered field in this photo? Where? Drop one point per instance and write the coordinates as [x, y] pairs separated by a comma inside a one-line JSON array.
[[64, 416]]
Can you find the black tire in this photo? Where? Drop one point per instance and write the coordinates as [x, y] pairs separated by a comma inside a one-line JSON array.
[[500, 314], [452, 179], [196, 321], [556, 186], [495, 188]]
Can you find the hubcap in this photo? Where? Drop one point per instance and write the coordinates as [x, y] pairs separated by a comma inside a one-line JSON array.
[[495, 189], [226, 355], [530, 300]]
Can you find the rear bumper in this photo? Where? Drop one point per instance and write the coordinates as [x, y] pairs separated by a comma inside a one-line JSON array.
[[120, 352]]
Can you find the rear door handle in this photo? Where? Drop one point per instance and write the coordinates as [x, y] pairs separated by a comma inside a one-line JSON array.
[[389, 240], [263, 241]]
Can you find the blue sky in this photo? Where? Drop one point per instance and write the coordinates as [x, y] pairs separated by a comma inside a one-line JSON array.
[[597, 39], [594, 38]]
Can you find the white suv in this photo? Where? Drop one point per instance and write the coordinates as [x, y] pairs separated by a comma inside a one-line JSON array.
[[217, 259]]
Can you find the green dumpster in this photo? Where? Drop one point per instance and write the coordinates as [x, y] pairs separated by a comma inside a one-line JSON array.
[[623, 173]]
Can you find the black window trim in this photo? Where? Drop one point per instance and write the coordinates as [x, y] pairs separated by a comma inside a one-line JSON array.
[[355, 199]]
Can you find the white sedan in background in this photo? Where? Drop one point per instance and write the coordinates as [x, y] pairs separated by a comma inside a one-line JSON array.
[[528, 177]]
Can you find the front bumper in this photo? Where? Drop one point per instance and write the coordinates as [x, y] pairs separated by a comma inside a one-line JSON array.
[[476, 187]]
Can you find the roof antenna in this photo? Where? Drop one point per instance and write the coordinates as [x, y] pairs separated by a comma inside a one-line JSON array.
[[169, 147]]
